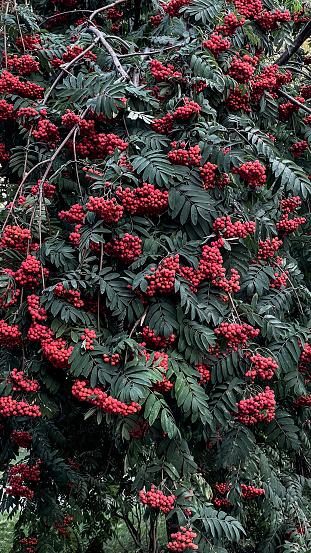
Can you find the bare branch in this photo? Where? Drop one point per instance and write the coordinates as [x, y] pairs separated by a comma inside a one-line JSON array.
[[299, 40], [110, 50], [106, 8]]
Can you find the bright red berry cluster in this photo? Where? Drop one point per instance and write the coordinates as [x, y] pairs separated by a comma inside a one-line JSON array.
[[231, 25], [228, 229], [236, 333], [156, 341], [62, 529], [248, 8], [112, 359], [241, 69], [182, 540], [108, 210], [305, 92], [4, 156], [162, 279], [46, 133], [55, 351], [184, 112], [30, 272], [7, 112], [10, 336], [253, 172], [184, 157], [250, 492], [298, 148], [162, 74], [290, 204], [128, 249], [13, 85], [288, 109], [236, 100], [303, 401], [72, 296], [216, 44], [157, 500], [286, 226], [74, 215], [163, 385], [146, 200], [173, 7], [109, 404], [204, 372], [23, 65], [258, 408], [30, 543], [208, 175], [12, 408], [88, 338], [156, 20], [269, 21], [48, 189], [267, 248], [279, 280], [29, 42], [18, 475], [22, 439], [262, 367], [37, 313], [22, 384], [15, 238], [164, 125]]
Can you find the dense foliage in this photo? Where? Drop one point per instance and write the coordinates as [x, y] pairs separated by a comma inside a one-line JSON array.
[[155, 285]]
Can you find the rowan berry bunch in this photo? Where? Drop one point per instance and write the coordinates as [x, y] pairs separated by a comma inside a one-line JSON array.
[[257, 409], [189, 109], [164, 125], [157, 500], [23, 65], [231, 25], [262, 367], [157, 341], [236, 333], [250, 492], [4, 155], [223, 488], [28, 42], [279, 280], [22, 384], [71, 54], [305, 92], [173, 7], [269, 21], [228, 229], [128, 249], [30, 272], [13, 85], [253, 172], [145, 200], [141, 430], [267, 248], [163, 385], [48, 189], [46, 133], [7, 112], [222, 502], [56, 352], [288, 109], [96, 145], [107, 403], [236, 100], [241, 69], [39, 333], [204, 372], [88, 338], [184, 157], [298, 148], [208, 175], [182, 540], [249, 9], [74, 215], [15, 238], [22, 439], [30, 543], [10, 336], [37, 313], [162, 279], [73, 465], [303, 401], [162, 74], [216, 44], [113, 359], [12, 408], [108, 210], [18, 475], [156, 20], [62, 529], [72, 296], [286, 226]]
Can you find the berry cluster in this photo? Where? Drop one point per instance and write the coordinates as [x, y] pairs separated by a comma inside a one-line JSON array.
[[227, 229], [303, 401], [30, 543], [37, 313], [162, 74], [4, 156], [174, 6], [30, 272], [102, 400], [250, 492], [186, 111], [163, 385], [88, 338], [182, 540], [141, 430], [262, 367], [22, 384], [248, 8], [208, 175], [162, 279], [157, 341], [231, 25], [157, 500], [23, 65], [267, 248], [184, 157], [279, 280], [128, 249], [22, 439], [113, 359], [15, 238], [146, 200], [46, 133], [305, 92], [254, 173], [236, 333], [298, 148], [258, 408], [204, 372], [288, 109], [216, 44], [74, 215], [164, 125], [71, 54], [12, 408], [108, 210], [29, 42], [12, 85], [236, 100], [241, 69], [72, 296], [286, 226], [55, 351], [7, 112], [269, 21], [156, 20], [48, 189], [93, 145], [18, 475], [10, 336]]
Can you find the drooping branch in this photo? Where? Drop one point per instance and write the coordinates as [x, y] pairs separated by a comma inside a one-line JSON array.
[[299, 40], [110, 51], [293, 101]]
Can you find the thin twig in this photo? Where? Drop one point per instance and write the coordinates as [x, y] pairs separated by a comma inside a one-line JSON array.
[[139, 321], [4, 35], [19, 27], [76, 162], [110, 51]]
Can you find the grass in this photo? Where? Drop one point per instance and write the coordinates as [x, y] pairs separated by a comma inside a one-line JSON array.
[[6, 533]]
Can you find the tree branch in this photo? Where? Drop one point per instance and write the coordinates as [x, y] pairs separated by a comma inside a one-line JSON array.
[[299, 40], [293, 101], [106, 8], [110, 50]]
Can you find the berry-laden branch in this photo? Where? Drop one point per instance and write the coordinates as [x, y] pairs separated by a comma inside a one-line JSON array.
[[293, 101]]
